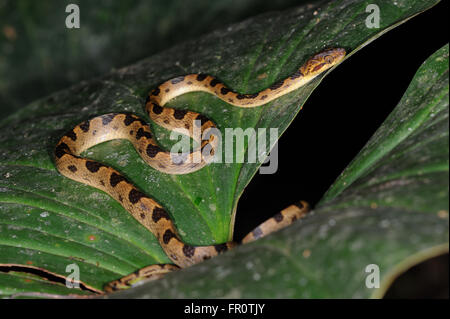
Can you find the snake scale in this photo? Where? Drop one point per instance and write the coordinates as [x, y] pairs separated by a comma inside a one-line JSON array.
[[130, 127]]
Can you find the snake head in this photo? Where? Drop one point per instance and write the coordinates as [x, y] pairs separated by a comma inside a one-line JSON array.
[[323, 61]]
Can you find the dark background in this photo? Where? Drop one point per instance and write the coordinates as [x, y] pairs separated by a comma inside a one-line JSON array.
[[341, 115], [335, 123]]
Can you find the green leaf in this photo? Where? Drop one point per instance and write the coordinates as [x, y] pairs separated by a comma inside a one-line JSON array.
[[394, 216], [428, 101], [39, 55], [13, 283], [50, 221]]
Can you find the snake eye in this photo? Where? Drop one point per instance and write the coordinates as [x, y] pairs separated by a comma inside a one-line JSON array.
[[328, 59]]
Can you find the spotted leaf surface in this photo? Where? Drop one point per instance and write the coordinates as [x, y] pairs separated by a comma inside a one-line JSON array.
[[389, 218], [49, 221]]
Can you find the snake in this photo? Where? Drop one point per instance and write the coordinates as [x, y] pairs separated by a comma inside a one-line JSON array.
[[145, 209]]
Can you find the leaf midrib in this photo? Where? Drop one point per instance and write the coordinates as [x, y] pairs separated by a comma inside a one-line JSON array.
[[116, 235]]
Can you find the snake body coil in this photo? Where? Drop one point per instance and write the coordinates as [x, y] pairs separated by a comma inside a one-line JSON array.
[[130, 127]]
